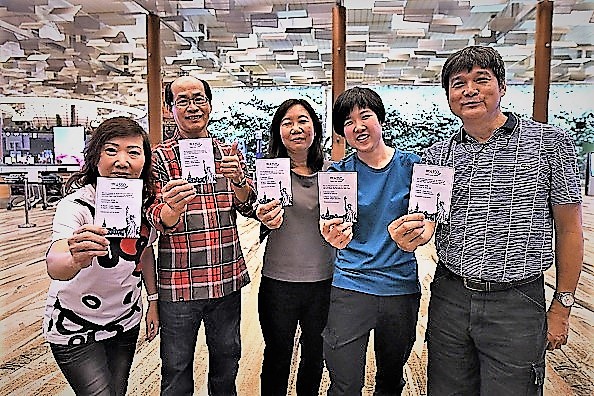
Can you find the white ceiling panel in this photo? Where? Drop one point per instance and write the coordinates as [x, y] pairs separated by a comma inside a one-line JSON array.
[[46, 45]]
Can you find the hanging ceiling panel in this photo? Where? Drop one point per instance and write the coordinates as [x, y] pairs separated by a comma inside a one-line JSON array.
[[52, 43]]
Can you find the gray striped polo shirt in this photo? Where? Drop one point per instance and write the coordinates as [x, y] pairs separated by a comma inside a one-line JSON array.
[[501, 224]]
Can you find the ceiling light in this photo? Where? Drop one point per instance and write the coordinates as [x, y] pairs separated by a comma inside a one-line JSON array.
[[274, 36], [193, 34], [38, 57], [292, 14], [410, 32], [358, 4]]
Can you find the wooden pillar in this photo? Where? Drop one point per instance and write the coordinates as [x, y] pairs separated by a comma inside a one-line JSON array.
[[1, 138], [72, 115], [338, 70], [542, 60], [154, 85]]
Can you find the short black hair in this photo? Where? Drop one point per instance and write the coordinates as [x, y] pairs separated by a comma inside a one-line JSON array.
[[469, 57], [363, 98], [169, 93]]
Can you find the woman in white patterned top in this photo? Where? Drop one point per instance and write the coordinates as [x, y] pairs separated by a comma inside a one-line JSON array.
[[94, 307]]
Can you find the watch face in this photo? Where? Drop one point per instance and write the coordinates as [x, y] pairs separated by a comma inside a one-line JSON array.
[[566, 299]]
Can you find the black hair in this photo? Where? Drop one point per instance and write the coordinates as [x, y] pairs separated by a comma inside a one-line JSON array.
[[109, 129], [469, 57], [276, 148], [169, 93], [363, 98]]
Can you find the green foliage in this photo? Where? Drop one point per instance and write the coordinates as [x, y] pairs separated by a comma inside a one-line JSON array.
[[244, 121], [581, 129], [248, 114], [422, 131]]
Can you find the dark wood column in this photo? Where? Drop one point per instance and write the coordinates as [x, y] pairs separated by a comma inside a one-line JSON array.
[[154, 84], [338, 70], [542, 60]]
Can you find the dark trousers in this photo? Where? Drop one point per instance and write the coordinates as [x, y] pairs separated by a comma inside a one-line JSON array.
[[351, 318], [180, 322], [98, 367], [281, 306], [485, 343]]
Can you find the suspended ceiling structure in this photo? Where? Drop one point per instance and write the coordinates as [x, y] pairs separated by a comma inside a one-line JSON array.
[[97, 48]]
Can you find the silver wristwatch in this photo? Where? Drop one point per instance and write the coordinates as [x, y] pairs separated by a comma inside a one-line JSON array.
[[565, 298]]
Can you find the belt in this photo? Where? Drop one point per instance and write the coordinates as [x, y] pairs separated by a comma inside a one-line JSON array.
[[491, 286]]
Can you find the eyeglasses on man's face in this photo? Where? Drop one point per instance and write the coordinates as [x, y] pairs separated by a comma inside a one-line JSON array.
[[185, 102]]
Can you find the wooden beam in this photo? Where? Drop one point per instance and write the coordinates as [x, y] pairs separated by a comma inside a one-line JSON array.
[[338, 70], [542, 60], [154, 85]]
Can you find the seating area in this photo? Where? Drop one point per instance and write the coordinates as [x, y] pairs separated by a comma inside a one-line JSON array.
[[20, 191]]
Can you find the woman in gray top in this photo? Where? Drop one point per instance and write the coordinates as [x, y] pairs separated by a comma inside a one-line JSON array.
[[298, 262]]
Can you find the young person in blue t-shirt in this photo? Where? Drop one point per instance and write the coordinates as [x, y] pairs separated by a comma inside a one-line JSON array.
[[375, 284]]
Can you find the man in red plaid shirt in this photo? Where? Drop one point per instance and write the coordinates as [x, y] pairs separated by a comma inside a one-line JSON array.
[[201, 268]]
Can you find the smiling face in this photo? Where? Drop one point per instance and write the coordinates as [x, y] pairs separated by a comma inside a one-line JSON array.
[[191, 119], [122, 157], [475, 94], [362, 130], [297, 130]]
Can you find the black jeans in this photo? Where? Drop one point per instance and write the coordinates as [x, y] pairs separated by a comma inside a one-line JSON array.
[[98, 367], [351, 318], [485, 343], [281, 306], [180, 322]]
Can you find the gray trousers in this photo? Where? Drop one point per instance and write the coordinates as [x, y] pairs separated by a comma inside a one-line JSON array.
[[351, 318]]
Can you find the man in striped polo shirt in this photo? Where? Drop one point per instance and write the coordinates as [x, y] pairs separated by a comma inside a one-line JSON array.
[[515, 182]]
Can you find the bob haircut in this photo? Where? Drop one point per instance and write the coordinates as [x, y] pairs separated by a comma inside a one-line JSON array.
[[169, 93], [110, 129], [363, 98], [276, 148], [469, 57]]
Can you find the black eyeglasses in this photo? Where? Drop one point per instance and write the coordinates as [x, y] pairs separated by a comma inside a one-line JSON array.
[[185, 102]]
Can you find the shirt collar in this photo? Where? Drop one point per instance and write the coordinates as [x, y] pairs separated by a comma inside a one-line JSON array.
[[505, 130]]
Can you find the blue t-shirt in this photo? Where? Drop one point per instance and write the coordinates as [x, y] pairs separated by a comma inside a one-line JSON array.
[[372, 263]]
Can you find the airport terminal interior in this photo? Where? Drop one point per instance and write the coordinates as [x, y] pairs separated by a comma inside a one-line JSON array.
[[67, 65]]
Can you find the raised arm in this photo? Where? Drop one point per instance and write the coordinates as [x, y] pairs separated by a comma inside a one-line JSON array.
[[411, 231], [336, 232], [233, 167], [66, 257], [171, 197], [271, 214]]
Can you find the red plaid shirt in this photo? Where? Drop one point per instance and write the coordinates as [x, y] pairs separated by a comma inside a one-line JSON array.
[[200, 257]]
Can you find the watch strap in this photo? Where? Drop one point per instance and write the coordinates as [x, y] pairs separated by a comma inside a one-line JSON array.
[[241, 183]]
